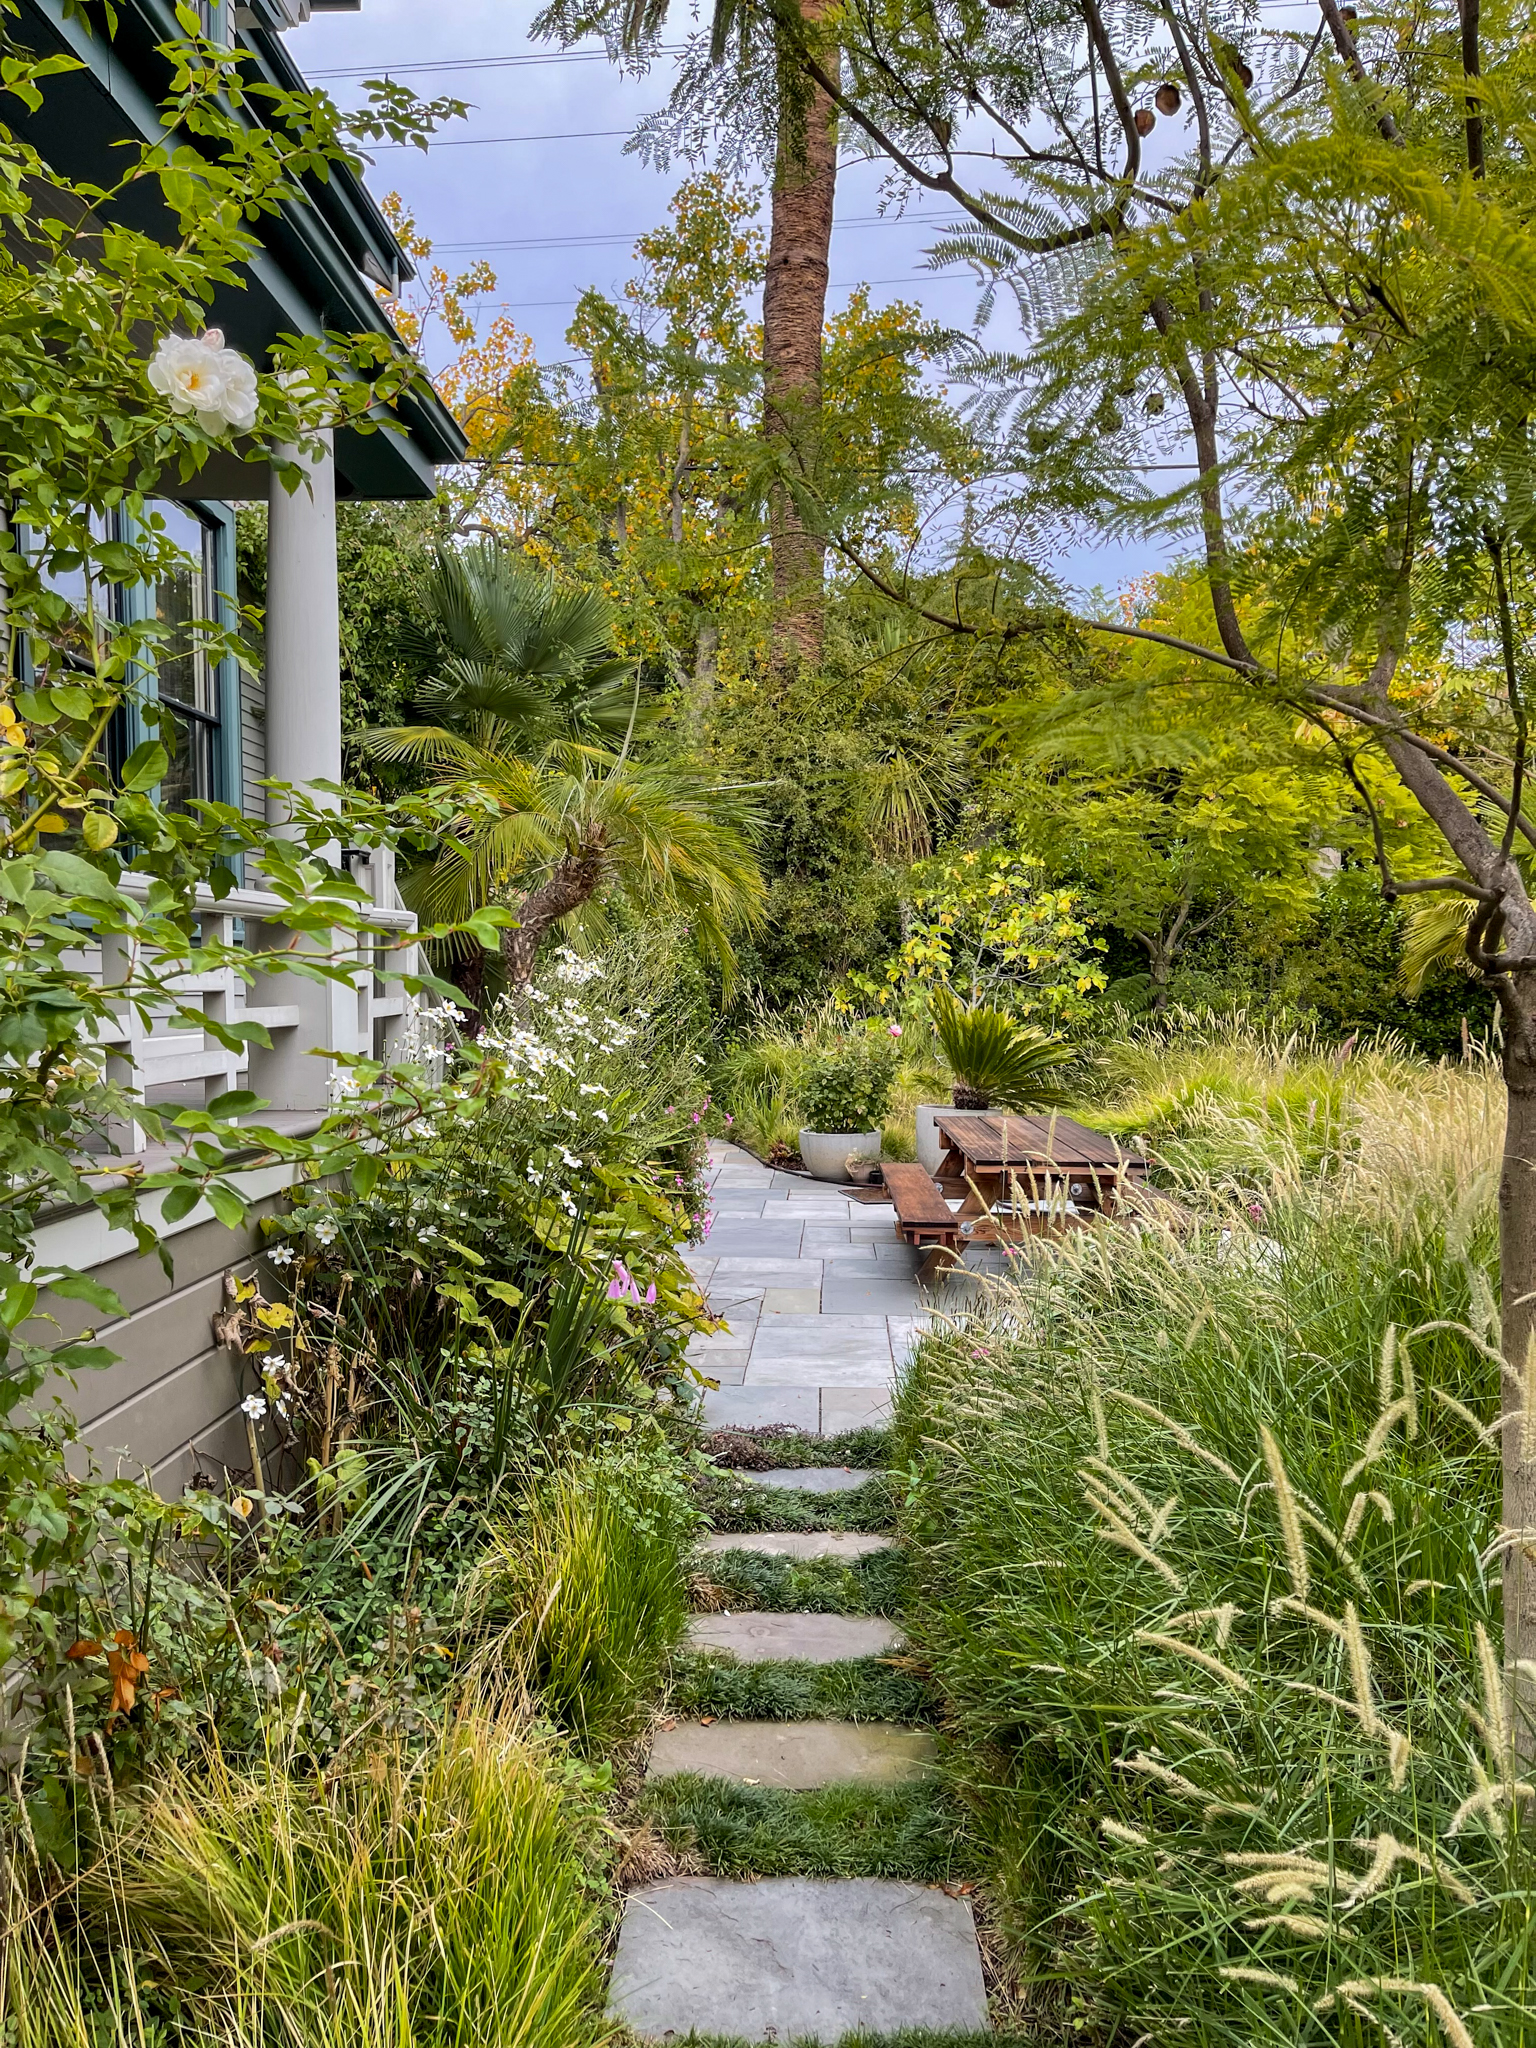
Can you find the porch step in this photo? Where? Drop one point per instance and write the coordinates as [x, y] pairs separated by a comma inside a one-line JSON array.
[[794, 1957], [794, 1755], [757, 1638]]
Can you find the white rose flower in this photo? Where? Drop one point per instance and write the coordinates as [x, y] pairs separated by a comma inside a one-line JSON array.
[[198, 374]]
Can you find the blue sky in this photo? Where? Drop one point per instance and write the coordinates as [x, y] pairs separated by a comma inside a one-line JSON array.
[[575, 192]]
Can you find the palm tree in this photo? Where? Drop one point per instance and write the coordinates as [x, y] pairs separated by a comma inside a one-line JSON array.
[[517, 723], [768, 41]]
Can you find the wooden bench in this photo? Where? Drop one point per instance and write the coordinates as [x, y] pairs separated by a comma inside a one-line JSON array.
[[922, 1214]]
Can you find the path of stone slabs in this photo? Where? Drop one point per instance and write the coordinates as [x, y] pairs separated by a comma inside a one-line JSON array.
[[796, 1766]]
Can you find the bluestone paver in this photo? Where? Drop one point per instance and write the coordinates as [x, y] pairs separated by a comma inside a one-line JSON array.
[[878, 1294], [762, 1638], [854, 1408], [793, 1956], [794, 1756], [791, 1301], [846, 1544], [812, 1478], [747, 1407]]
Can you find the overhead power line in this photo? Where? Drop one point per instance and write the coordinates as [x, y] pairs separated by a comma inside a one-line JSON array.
[[856, 284], [609, 241], [481, 141], [383, 69]]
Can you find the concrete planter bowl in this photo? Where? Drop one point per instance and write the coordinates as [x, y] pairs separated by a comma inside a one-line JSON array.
[[826, 1153], [930, 1146]]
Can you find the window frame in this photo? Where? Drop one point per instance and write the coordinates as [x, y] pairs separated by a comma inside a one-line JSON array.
[[139, 601]]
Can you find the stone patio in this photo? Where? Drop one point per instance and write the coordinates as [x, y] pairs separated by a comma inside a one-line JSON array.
[[820, 1296]]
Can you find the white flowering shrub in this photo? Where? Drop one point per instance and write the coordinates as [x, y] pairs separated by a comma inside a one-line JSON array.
[[525, 1261]]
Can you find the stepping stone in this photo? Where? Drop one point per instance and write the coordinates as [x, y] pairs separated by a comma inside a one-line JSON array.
[[743, 1407], [811, 1478], [854, 1408], [794, 1756], [758, 1638], [802, 1543], [791, 1957]]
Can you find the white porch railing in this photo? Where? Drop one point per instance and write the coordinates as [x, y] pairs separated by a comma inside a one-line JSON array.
[[306, 1020]]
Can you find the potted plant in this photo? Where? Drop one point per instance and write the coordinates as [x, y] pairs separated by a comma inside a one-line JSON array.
[[996, 1061], [845, 1094]]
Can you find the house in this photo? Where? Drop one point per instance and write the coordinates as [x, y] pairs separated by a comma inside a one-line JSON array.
[[171, 1404]]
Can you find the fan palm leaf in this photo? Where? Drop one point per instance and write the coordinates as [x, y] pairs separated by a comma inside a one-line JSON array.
[[995, 1058], [515, 724]]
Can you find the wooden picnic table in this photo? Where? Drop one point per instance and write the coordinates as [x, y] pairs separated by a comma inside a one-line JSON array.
[[1021, 1171]]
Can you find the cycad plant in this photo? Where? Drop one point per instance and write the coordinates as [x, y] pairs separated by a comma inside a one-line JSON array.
[[994, 1058], [520, 720]]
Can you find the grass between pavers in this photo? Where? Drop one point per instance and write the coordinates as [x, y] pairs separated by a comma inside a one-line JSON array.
[[730, 1502], [760, 1450], [705, 1682], [787, 1585], [844, 1830]]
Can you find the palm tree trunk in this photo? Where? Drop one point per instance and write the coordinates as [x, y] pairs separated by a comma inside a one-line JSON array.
[[794, 313], [573, 881]]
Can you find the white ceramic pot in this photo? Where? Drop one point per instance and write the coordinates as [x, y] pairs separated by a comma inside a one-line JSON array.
[[826, 1153], [930, 1146]]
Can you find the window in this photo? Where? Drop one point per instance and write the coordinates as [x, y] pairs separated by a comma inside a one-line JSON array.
[[198, 699], [187, 681]]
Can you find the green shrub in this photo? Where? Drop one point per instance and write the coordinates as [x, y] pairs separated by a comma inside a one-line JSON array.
[[589, 1592], [848, 1087], [430, 1898], [1202, 1566]]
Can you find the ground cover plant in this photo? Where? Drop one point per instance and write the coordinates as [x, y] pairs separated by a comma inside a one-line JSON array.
[[706, 1682], [1207, 1558], [740, 1579], [737, 1505], [911, 1831], [761, 1450]]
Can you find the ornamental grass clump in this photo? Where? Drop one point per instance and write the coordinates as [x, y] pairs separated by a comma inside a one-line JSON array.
[[1208, 1571], [434, 1896], [579, 1600]]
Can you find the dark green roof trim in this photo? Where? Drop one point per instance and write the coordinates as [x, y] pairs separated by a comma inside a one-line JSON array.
[[305, 279]]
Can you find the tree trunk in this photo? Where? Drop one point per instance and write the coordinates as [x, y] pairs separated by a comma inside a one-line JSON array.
[[794, 313], [1517, 1288], [1159, 951], [706, 670], [573, 881]]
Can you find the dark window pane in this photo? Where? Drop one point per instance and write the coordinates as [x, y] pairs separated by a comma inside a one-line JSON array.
[[186, 675], [189, 740]]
